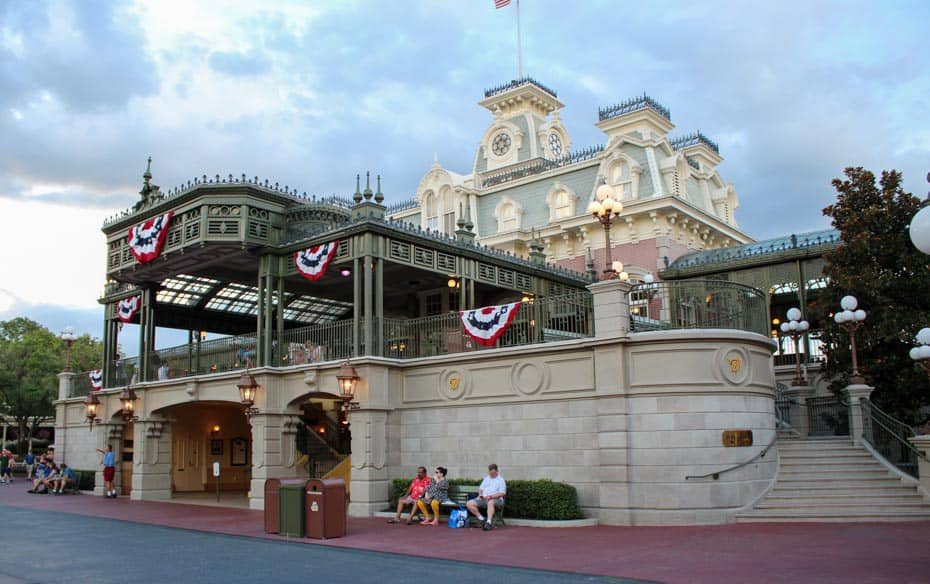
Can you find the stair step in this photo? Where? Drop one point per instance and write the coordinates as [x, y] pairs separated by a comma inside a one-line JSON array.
[[843, 506], [854, 491], [826, 474], [833, 469], [839, 483], [878, 497], [826, 458], [838, 517]]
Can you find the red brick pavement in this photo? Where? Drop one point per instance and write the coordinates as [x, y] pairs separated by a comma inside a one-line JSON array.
[[799, 552]]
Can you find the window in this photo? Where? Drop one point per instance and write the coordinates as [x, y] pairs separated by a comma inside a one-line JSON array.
[[448, 211], [622, 179], [563, 205], [432, 211], [448, 223], [508, 217]]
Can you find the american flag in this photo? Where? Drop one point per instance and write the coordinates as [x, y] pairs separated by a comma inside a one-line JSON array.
[[501, 3]]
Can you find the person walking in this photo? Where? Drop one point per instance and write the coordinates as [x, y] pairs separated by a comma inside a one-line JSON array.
[[109, 471], [4, 469], [30, 460]]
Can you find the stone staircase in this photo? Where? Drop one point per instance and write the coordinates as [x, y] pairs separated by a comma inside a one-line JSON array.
[[832, 480]]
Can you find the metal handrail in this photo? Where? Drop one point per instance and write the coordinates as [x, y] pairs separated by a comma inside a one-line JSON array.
[[716, 474], [897, 431]]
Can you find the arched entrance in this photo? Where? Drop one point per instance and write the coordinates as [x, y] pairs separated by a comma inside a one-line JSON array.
[[202, 434]]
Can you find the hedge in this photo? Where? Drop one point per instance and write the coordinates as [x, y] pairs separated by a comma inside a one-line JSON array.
[[539, 499]]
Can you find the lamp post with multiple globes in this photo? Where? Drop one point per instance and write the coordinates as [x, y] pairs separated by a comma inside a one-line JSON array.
[[851, 319], [921, 353], [605, 209], [795, 328]]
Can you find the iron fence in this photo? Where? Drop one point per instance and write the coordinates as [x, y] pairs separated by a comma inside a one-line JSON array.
[[783, 404], [827, 416], [214, 356], [315, 343], [698, 304], [889, 436]]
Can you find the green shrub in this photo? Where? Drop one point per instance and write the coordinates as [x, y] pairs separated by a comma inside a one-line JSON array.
[[86, 479], [540, 499]]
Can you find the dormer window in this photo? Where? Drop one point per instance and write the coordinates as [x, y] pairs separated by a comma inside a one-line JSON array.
[[621, 178], [508, 217], [561, 201]]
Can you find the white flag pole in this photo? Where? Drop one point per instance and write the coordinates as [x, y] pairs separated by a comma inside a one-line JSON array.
[[519, 44]]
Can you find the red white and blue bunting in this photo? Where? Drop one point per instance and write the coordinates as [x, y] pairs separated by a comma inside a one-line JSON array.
[[487, 324], [147, 239], [312, 263], [96, 379], [128, 307]]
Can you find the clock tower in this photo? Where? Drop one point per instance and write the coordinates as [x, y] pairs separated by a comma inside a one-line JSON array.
[[527, 126]]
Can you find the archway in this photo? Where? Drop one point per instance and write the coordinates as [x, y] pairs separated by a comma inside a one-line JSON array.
[[204, 433]]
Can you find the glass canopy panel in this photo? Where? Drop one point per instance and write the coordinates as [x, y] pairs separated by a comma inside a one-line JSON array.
[[235, 298], [311, 310], [185, 290]]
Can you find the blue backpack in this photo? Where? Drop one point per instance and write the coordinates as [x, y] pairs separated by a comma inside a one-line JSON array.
[[458, 518]]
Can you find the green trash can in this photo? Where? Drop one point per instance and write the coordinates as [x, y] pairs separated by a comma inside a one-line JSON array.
[[291, 519]]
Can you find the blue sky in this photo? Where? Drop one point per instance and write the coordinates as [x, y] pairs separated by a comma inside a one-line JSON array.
[[309, 93]]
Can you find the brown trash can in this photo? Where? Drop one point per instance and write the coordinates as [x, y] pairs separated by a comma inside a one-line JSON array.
[[326, 508], [273, 502]]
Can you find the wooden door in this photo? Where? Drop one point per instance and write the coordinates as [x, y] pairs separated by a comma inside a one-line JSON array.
[[187, 465], [126, 460]]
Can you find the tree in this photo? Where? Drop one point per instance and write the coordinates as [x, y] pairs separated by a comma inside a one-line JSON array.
[[878, 264], [31, 356]]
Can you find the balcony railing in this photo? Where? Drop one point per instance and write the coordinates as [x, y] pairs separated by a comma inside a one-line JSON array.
[[698, 304]]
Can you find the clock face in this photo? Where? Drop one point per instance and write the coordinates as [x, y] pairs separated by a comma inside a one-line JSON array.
[[501, 144], [555, 145]]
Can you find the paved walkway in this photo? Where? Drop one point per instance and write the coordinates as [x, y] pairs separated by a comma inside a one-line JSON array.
[[802, 552]]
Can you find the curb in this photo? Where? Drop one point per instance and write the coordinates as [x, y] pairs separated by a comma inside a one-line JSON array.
[[586, 522]]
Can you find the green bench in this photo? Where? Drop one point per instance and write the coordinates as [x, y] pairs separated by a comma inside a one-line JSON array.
[[459, 495]]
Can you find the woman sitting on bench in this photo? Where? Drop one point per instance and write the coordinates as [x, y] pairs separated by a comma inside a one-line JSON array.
[[436, 493]]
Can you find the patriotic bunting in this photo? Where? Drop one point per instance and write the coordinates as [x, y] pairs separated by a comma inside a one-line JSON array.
[[147, 239], [312, 263], [128, 307], [96, 379], [501, 3], [487, 324]]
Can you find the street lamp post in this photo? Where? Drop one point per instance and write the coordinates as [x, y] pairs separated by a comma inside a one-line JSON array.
[[851, 320], [921, 353], [604, 209], [795, 328], [68, 337]]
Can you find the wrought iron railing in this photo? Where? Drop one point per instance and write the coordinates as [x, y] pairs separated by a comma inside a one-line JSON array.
[[316, 343], [692, 140], [80, 384], [783, 403], [827, 416], [214, 356], [889, 437], [632, 105], [698, 304], [556, 318]]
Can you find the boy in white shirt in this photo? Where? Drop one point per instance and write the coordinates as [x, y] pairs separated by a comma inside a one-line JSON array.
[[490, 496]]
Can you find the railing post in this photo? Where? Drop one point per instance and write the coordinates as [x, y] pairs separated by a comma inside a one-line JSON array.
[[799, 395], [855, 393], [611, 308], [65, 384], [922, 444]]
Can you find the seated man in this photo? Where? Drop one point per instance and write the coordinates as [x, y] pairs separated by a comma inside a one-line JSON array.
[[490, 496], [43, 470], [414, 493], [66, 477], [52, 475]]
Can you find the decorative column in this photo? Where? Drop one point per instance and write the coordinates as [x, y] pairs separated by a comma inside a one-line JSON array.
[[611, 308], [151, 461], [370, 487], [272, 456], [854, 393]]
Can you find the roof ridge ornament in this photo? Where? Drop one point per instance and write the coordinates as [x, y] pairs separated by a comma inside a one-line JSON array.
[[379, 196], [357, 197], [367, 192]]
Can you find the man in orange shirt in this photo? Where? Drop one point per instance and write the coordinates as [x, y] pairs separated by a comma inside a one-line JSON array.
[[415, 492]]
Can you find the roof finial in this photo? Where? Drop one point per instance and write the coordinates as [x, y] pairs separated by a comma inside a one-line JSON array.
[[357, 197], [379, 196], [148, 171], [435, 158], [367, 192]]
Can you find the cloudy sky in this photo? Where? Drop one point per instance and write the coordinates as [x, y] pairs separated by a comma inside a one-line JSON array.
[[309, 93]]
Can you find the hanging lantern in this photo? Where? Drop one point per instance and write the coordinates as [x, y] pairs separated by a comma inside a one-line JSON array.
[[91, 405], [127, 400], [347, 378], [248, 388]]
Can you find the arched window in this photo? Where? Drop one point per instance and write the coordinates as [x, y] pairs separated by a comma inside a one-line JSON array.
[[432, 211], [508, 221], [563, 205], [448, 211], [621, 178]]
